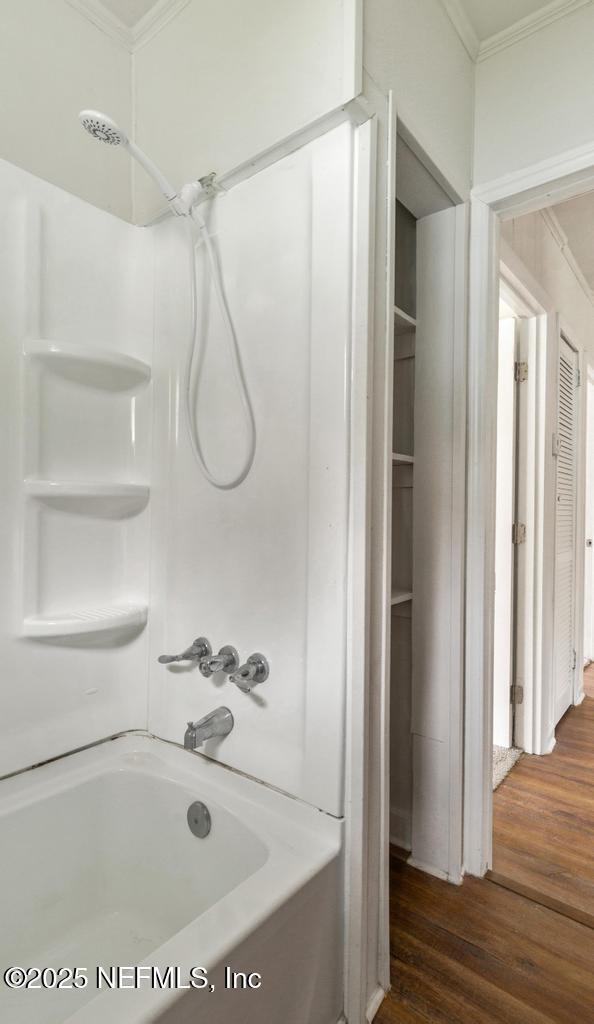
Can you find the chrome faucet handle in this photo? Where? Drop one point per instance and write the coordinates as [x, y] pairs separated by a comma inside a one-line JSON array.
[[227, 660], [256, 670], [199, 649]]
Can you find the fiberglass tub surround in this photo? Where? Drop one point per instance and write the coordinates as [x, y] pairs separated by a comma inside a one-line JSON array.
[[76, 327], [100, 868], [262, 567], [118, 550]]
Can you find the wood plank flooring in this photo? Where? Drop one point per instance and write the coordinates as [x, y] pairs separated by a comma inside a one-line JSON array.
[[480, 954], [543, 818]]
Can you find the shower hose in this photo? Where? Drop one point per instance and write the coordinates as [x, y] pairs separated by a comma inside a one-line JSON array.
[[196, 356]]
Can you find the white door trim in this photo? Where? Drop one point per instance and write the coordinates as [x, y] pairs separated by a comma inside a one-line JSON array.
[[357, 641], [588, 651], [541, 185], [530, 302]]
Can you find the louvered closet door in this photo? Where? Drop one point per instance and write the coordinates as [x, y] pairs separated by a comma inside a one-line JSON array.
[[565, 554]]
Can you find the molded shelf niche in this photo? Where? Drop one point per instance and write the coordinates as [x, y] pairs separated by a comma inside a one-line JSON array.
[[93, 367], [107, 500], [92, 620]]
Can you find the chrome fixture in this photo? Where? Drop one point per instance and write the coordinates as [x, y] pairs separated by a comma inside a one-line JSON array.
[[217, 723], [199, 821], [198, 650], [227, 660], [255, 670]]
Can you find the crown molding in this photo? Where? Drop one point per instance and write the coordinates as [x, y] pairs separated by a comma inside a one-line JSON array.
[[562, 242], [131, 39], [480, 51], [103, 19], [528, 26], [154, 20], [463, 25]]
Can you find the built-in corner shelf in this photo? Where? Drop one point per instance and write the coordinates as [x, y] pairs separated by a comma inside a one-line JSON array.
[[92, 620], [405, 460], [400, 597], [102, 499], [93, 367], [403, 322]]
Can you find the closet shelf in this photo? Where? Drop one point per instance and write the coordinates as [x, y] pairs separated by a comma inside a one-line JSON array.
[[407, 460], [93, 367], [103, 499], [400, 597], [93, 620], [403, 322]]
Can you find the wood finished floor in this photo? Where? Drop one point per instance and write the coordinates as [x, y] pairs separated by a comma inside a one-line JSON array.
[[486, 953], [481, 954], [543, 818]]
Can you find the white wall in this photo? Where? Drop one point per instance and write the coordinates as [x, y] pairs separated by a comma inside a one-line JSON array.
[[54, 62], [534, 100], [534, 242], [413, 49], [223, 81], [262, 567], [68, 273]]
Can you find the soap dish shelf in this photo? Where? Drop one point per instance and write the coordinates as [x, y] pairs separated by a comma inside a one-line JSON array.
[[93, 367], [93, 620], [95, 498]]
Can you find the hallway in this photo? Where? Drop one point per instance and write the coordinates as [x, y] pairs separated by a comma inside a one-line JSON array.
[[543, 818], [518, 946], [480, 954]]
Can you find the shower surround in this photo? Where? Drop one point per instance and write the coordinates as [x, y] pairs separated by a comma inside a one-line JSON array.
[[116, 549]]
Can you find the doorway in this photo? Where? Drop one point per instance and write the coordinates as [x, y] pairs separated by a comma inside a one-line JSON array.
[[540, 815], [522, 575]]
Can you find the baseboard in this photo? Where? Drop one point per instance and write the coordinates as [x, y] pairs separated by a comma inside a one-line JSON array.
[[374, 1003], [400, 828], [548, 746], [579, 699], [430, 869]]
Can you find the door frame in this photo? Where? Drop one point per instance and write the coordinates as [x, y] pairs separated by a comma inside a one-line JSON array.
[[588, 651], [537, 325], [525, 191]]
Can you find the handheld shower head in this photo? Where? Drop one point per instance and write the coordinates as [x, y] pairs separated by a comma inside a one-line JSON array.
[[102, 128]]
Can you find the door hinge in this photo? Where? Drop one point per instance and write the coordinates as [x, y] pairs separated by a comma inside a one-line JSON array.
[[574, 660], [578, 378], [516, 694], [520, 372], [519, 533], [556, 445]]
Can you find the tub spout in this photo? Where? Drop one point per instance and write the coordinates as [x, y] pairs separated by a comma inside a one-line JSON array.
[[217, 723]]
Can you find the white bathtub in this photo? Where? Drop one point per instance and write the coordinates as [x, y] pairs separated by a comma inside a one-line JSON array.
[[100, 869]]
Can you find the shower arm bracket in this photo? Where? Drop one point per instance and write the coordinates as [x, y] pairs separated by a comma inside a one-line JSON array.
[[200, 190]]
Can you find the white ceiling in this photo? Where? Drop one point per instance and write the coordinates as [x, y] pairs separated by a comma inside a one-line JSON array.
[[488, 17], [576, 218], [129, 12]]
